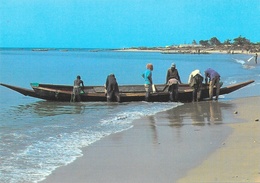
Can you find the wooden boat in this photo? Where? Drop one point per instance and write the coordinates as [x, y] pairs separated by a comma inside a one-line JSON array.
[[128, 93]]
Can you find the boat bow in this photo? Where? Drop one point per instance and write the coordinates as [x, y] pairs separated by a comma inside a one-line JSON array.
[[24, 91]]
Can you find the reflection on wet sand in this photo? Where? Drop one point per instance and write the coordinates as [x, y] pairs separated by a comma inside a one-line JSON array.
[[199, 113], [154, 129], [196, 114]]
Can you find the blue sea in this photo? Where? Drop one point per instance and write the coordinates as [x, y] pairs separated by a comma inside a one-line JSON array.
[[39, 136]]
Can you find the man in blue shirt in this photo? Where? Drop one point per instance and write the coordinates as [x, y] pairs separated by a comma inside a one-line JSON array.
[[147, 75], [214, 79]]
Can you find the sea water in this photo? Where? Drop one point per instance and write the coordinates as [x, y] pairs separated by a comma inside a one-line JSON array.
[[39, 136]]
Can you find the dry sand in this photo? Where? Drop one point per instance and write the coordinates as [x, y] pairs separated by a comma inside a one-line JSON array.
[[201, 142]]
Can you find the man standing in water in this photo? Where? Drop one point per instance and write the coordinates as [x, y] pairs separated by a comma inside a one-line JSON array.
[[256, 58], [76, 89], [172, 80], [147, 75], [112, 88], [214, 79], [195, 81]]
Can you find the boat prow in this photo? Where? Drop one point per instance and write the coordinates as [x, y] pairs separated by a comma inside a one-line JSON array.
[[231, 88], [24, 91]]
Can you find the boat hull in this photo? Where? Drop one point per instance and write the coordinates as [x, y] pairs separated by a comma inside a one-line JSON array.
[[128, 93]]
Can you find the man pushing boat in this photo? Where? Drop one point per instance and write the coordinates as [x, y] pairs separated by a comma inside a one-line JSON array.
[[173, 80], [75, 97], [112, 90]]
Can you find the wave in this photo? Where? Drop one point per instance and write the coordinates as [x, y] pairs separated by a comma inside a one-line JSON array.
[[38, 159], [246, 64], [239, 61]]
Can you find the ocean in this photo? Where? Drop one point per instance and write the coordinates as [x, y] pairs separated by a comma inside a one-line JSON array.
[[39, 136]]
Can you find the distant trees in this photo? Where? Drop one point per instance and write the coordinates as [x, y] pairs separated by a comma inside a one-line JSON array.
[[214, 41], [237, 43], [204, 43], [227, 42], [241, 41], [194, 42]]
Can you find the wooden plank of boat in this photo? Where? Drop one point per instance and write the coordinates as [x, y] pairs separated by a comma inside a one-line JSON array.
[[101, 89]]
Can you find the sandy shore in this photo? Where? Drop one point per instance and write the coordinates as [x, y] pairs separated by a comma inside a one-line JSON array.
[[188, 51], [201, 142]]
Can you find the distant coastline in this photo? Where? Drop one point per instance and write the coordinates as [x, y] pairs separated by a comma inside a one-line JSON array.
[[57, 49], [192, 50], [181, 49]]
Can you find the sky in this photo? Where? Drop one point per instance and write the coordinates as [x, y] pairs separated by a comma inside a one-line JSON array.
[[125, 23]]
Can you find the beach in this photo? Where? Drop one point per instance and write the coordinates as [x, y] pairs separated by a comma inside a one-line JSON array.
[[189, 50], [197, 142]]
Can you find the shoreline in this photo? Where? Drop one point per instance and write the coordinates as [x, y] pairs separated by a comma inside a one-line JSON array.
[[176, 145], [162, 50], [188, 51]]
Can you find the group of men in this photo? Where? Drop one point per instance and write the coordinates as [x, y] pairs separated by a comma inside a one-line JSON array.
[[111, 89], [172, 82], [196, 79]]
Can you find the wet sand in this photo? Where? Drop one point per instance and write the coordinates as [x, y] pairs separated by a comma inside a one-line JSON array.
[[238, 160], [200, 142]]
